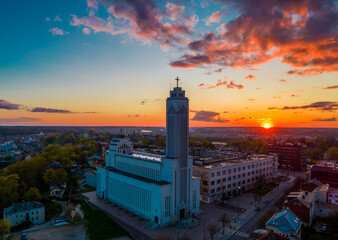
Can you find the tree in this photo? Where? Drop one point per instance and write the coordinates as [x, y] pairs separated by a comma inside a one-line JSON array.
[[212, 229], [332, 153], [33, 194], [5, 227], [224, 219], [9, 190], [50, 176], [263, 219], [315, 154]]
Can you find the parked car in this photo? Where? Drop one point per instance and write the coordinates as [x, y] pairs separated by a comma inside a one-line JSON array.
[[265, 201], [257, 209]]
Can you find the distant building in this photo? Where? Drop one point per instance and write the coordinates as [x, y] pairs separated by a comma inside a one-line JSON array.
[[325, 174], [333, 196], [290, 156], [25, 211], [285, 224], [222, 177], [302, 204], [94, 160], [7, 146], [57, 189], [159, 188]]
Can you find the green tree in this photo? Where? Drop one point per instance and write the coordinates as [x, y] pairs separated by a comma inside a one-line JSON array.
[[33, 194], [50, 176], [224, 219], [333, 153], [9, 190], [5, 227], [315, 154]]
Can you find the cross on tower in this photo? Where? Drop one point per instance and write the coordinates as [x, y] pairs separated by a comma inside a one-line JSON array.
[[177, 79]]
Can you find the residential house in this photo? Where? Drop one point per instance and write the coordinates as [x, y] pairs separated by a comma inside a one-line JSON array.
[[25, 211], [301, 204], [285, 224], [57, 189]]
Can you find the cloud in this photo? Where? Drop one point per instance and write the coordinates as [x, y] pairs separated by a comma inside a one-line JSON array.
[[227, 84], [18, 120], [208, 116], [276, 97], [92, 4], [57, 31], [258, 88], [319, 106], [225, 112], [333, 119], [8, 106], [293, 95], [143, 102], [215, 17], [136, 116], [302, 33], [57, 19], [141, 20], [331, 87], [50, 110], [251, 99], [282, 80], [86, 31], [250, 77], [158, 100]]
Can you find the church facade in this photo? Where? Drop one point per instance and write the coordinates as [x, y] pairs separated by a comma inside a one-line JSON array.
[[159, 189]]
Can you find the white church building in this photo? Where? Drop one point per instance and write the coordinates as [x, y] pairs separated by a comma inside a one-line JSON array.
[[159, 189]]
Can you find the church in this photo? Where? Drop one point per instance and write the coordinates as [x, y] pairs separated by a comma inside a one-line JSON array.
[[157, 188]]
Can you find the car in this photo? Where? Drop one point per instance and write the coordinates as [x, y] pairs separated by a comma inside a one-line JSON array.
[[257, 209], [265, 201]]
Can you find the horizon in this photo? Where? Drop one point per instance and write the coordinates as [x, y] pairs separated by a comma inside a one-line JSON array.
[[98, 63]]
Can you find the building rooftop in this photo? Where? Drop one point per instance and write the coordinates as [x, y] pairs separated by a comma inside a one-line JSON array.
[[285, 221], [305, 197], [214, 162], [144, 179], [147, 156], [22, 207], [324, 168]]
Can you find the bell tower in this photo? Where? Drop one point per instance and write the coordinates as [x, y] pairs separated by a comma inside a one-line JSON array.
[[177, 136]]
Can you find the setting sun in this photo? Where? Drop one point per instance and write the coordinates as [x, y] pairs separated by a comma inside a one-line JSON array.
[[267, 125]]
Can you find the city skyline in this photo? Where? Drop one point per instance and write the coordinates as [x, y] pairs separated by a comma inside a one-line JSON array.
[[106, 63]]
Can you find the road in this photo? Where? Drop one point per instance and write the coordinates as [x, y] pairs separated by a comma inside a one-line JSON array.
[[252, 224]]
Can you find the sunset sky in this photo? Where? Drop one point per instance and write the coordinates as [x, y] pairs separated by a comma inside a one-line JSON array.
[[113, 62]]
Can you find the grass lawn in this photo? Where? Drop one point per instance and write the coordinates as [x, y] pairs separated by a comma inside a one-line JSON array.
[[100, 226], [52, 209], [87, 188]]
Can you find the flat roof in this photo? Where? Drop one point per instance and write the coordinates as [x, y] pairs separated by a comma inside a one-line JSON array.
[[143, 179], [214, 162]]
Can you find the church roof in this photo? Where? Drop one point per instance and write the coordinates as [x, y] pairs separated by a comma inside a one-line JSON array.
[[143, 179]]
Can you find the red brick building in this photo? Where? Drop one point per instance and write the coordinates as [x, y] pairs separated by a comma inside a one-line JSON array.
[[290, 156], [325, 174]]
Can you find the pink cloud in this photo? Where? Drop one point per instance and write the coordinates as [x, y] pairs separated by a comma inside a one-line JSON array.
[[57, 31], [282, 80], [250, 77], [215, 17], [251, 99], [86, 30], [258, 88], [92, 4]]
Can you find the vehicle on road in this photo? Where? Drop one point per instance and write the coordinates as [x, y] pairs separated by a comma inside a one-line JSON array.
[[265, 201], [257, 209]]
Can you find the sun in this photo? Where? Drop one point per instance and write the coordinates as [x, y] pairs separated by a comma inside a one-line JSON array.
[[267, 124]]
